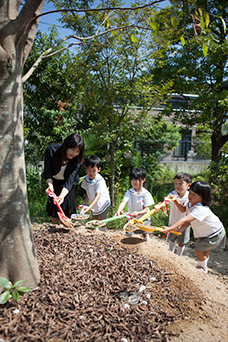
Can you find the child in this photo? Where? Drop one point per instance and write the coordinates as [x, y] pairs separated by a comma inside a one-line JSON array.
[[207, 228], [182, 183], [139, 199], [96, 189]]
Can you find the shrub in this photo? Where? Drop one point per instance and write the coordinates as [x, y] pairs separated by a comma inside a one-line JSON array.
[[217, 177], [37, 197]]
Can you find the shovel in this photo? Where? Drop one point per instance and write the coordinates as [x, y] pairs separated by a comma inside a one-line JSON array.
[[129, 226], [100, 223], [63, 218], [150, 229]]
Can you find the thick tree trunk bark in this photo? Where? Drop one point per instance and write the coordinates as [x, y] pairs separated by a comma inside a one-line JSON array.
[[17, 252]]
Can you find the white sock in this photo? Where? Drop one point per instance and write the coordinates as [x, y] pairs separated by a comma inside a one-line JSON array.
[[180, 250], [172, 246], [204, 263]]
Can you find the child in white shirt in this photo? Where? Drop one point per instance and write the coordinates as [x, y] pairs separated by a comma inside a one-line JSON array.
[[138, 198], [182, 183], [96, 189], [207, 228]]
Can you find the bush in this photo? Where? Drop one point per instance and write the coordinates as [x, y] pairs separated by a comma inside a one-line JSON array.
[[217, 177], [37, 197]]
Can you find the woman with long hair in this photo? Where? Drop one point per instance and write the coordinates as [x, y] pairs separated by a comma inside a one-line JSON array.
[[61, 167]]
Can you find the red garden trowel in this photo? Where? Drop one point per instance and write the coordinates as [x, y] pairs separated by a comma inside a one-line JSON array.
[[63, 218]]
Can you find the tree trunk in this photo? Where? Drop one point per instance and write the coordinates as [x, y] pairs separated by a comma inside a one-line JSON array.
[[17, 252], [217, 141]]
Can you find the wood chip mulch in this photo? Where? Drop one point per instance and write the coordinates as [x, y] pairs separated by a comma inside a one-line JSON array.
[[93, 289]]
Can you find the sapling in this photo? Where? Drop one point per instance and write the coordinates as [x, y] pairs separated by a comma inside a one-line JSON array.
[[12, 291]]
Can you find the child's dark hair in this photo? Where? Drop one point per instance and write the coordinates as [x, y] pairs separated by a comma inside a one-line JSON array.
[[184, 176], [93, 161], [138, 173], [204, 190], [72, 141]]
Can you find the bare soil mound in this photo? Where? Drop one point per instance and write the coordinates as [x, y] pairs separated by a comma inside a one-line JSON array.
[[98, 286]]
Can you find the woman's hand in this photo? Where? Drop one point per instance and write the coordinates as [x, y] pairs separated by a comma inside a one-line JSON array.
[[60, 199], [50, 188], [49, 183]]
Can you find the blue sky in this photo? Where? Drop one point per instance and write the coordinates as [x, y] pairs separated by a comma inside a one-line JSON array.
[[50, 19]]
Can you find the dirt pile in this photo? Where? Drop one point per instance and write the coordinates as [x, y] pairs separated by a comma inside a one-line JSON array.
[[104, 287]]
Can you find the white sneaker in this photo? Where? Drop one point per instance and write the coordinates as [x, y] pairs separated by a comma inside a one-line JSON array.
[[202, 269]]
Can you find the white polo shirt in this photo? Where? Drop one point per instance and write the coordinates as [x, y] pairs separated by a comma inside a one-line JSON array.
[[97, 185], [175, 214], [137, 202]]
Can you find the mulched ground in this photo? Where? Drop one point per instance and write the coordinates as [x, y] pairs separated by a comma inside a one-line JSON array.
[[93, 288]]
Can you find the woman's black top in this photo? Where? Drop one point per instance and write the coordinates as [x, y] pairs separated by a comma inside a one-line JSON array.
[[53, 163], [52, 166]]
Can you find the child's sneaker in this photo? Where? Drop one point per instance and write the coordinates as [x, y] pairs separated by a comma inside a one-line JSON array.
[[201, 268], [146, 237]]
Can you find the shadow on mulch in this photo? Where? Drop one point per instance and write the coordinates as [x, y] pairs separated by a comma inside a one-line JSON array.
[[54, 229]]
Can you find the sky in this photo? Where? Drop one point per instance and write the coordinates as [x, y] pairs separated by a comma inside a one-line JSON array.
[[50, 19]]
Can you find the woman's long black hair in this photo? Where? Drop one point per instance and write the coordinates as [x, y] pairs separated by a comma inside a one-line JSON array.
[[72, 141]]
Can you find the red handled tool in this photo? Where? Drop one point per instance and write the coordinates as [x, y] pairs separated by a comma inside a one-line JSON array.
[[63, 218]]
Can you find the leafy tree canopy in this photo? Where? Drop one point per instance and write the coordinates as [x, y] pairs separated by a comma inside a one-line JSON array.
[[199, 70]]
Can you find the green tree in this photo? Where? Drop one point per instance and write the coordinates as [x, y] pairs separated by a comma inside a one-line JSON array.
[[50, 97], [117, 97], [202, 141], [200, 67]]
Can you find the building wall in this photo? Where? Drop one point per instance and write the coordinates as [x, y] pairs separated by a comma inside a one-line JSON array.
[[192, 167]]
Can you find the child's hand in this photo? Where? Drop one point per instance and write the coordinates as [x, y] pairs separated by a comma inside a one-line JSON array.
[[82, 208], [165, 229], [134, 214], [117, 213], [86, 209], [156, 207]]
